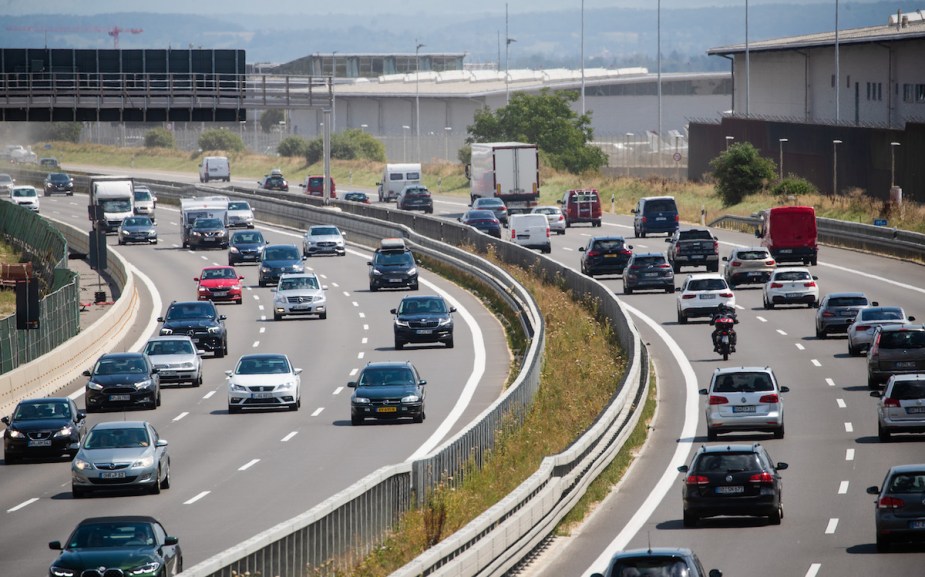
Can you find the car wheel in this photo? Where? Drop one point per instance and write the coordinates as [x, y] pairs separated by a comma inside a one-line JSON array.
[[277, 316], [642, 234], [233, 410], [713, 267], [373, 288], [883, 434], [10, 459], [560, 232], [779, 432], [157, 401], [669, 290], [690, 519], [547, 249], [156, 487], [77, 492], [820, 333], [775, 517], [711, 434], [414, 287], [398, 345], [883, 543], [676, 268], [871, 383], [627, 290], [220, 352], [681, 318], [419, 418], [119, 242], [355, 421], [449, 344], [240, 301], [198, 380], [296, 405], [165, 484], [853, 350], [262, 283], [323, 315]]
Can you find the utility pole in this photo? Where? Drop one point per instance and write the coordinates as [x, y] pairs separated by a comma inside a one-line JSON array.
[[417, 96]]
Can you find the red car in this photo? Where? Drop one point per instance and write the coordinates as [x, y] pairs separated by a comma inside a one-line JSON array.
[[219, 283]]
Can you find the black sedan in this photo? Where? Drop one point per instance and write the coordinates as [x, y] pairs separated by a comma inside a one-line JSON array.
[[122, 380], [127, 545], [45, 427], [360, 197], [605, 255], [483, 220], [277, 260], [387, 390], [59, 183], [423, 319]]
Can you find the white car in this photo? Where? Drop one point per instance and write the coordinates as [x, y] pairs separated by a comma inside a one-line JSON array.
[[6, 183], [789, 286], [861, 331], [176, 359], [299, 294], [744, 399], [700, 295], [324, 239], [145, 201], [554, 216], [26, 197], [240, 214], [264, 381]]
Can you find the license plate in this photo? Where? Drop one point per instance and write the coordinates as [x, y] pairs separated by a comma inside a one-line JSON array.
[[164, 373], [785, 250], [119, 397], [209, 240], [301, 307], [261, 395], [660, 218], [424, 331], [40, 443], [696, 257], [387, 410], [394, 280], [730, 490], [220, 293], [754, 274], [917, 524], [905, 365], [725, 339], [650, 274], [112, 475], [707, 296], [744, 409], [793, 295], [915, 410], [610, 256]]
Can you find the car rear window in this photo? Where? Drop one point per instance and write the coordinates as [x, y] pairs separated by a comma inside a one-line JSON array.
[[848, 301], [882, 315], [727, 462], [660, 206], [792, 275], [649, 260], [609, 245], [752, 255], [707, 284], [908, 390], [902, 340], [748, 382], [908, 483]]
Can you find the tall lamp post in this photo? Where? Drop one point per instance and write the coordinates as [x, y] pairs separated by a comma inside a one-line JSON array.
[[507, 52], [626, 151], [781, 141], [729, 140], [446, 142], [893, 146], [333, 93], [582, 57], [417, 96], [404, 142], [835, 144]]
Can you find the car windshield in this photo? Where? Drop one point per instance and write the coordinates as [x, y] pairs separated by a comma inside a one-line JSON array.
[[394, 258], [190, 311], [211, 273], [209, 223], [480, 215], [883, 315], [650, 566], [752, 255], [35, 411], [247, 238], [137, 221], [263, 366], [323, 231], [792, 275], [302, 282], [908, 483], [848, 302], [727, 462], [902, 340], [421, 306], [706, 284], [142, 195], [112, 534], [169, 347], [386, 377], [240, 205], [58, 177], [649, 260], [607, 245], [117, 438], [24, 192], [546, 210], [281, 253], [747, 382], [908, 390], [120, 366]]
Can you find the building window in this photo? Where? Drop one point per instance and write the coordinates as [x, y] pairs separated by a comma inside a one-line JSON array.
[[868, 91], [880, 91], [920, 92]]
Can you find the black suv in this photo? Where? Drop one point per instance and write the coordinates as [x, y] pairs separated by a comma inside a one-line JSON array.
[[201, 321], [423, 319], [208, 232], [732, 480], [648, 270], [387, 390], [59, 182], [392, 268], [415, 197]]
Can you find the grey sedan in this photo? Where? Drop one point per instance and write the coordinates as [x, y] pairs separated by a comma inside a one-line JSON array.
[[837, 311], [899, 511], [121, 455], [176, 359]]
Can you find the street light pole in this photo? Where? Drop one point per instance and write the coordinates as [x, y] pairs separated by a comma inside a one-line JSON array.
[[781, 141], [582, 57], [659, 60], [404, 142], [333, 93], [446, 143], [835, 144], [417, 97], [893, 146], [728, 140], [626, 152]]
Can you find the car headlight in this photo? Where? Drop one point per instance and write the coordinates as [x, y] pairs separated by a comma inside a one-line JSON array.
[[146, 461], [361, 400], [298, 268], [124, 232], [221, 233], [197, 233], [404, 324], [412, 271], [66, 431], [410, 399], [203, 289], [215, 330], [94, 386], [377, 272], [265, 269], [236, 287], [236, 388], [149, 568], [62, 571], [82, 465], [187, 365], [14, 434], [286, 386], [166, 331], [233, 249], [445, 322], [146, 384]]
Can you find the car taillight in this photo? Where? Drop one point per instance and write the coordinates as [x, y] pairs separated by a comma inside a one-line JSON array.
[[665, 265], [547, 232], [726, 295], [624, 251], [715, 246], [697, 480], [718, 400], [890, 402], [513, 233], [677, 218], [643, 220], [770, 399], [735, 263], [761, 478], [688, 296], [769, 262], [891, 503], [809, 284], [861, 328], [875, 348], [594, 253], [777, 285], [561, 217], [828, 314]]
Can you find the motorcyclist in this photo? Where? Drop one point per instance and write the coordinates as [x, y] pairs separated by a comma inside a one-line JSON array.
[[723, 320]]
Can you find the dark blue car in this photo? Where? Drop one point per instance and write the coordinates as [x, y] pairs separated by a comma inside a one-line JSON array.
[[483, 220], [278, 259]]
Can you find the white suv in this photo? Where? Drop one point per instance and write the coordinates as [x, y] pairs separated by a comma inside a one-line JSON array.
[[744, 399], [702, 294]]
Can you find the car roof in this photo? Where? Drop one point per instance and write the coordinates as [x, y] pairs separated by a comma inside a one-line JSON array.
[[387, 364], [422, 298], [733, 370], [189, 303], [648, 198], [170, 338], [128, 355], [700, 275], [791, 268], [608, 237], [287, 245], [120, 425], [43, 400], [217, 267], [297, 275], [729, 448], [119, 519], [261, 356], [897, 328], [847, 294], [908, 468], [908, 377], [655, 552], [648, 254]]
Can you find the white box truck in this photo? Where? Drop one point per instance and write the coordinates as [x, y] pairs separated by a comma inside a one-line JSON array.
[[395, 177], [112, 199], [506, 170], [204, 207]]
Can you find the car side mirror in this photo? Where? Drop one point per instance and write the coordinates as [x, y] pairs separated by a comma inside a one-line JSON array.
[[560, 201], [304, 257], [874, 304], [725, 259], [581, 249], [683, 469], [160, 319], [815, 277], [87, 373], [297, 371], [781, 466], [196, 278], [634, 211], [758, 233], [56, 545], [668, 239], [452, 309], [629, 246], [422, 382], [715, 573], [5, 421], [240, 278], [171, 540], [201, 352], [677, 289], [911, 318], [160, 443], [393, 311], [369, 262], [228, 373], [459, 219], [352, 385], [222, 317], [872, 490], [702, 392], [155, 370], [785, 389], [81, 415], [876, 394]]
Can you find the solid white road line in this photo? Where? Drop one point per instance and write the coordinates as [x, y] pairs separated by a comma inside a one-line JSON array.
[[180, 416], [830, 528], [849, 455], [843, 488], [248, 465], [841, 403], [813, 569], [196, 498], [317, 411], [23, 504], [289, 436]]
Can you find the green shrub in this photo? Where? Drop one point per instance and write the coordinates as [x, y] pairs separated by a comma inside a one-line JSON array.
[[793, 186], [741, 171], [159, 138], [292, 146], [220, 139], [351, 144]]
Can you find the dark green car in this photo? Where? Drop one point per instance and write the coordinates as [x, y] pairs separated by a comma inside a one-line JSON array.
[[130, 545]]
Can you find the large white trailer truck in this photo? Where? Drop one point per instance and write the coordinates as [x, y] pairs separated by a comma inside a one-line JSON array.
[[506, 170]]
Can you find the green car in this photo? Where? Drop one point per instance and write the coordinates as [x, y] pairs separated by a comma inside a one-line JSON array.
[[130, 545]]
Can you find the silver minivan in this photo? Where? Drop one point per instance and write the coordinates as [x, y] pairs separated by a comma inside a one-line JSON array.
[[531, 231]]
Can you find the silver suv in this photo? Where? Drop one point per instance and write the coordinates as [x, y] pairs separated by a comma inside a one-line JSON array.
[[300, 294], [744, 399], [902, 406]]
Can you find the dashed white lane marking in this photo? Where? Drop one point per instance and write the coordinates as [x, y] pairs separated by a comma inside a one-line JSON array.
[[762, 319], [362, 315], [196, 498], [830, 528], [208, 395], [256, 344], [849, 427], [289, 436], [565, 248], [335, 285], [849, 455], [815, 362], [813, 569], [248, 465], [361, 354], [354, 372], [249, 288], [25, 503], [843, 488], [263, 317], [215, 263], [799, 346], [317, 411], [204, 257], [740, 307], [830, 382], [356, 304], [841, 403], [782, 332], [180, 416], [365, 327], [262, 330], [260, 307], [175, 246], [364, 340], [338, 390], [256, 297], [346, 294]]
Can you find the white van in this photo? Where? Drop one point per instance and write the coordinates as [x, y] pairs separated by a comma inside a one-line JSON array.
[[531, 231], [214, 168], [396, 177]]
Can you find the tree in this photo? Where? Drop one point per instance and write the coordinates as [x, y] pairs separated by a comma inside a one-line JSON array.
[[271, 118], [159, 138], [347, 145], [292, 146], [547, 120], [740, 171], [218, 139]]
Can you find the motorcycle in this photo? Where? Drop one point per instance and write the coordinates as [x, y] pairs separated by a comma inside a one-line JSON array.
[[724, 334]]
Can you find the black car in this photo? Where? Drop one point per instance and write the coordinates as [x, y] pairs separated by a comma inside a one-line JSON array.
[[360, 197], [648, 270], [415, 197], [483, 220], [208, 233], [732, 480], [392, 268], [137, 229], [605, 255], [387, 390], [423, 319], [274, 181], [201, 321], [59, 182], [43, 428], [127, 545], [245, 246], [837, 311], [278, 259], [124, 381]]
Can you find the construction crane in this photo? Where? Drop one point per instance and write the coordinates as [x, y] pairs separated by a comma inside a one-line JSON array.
[[115, 31]]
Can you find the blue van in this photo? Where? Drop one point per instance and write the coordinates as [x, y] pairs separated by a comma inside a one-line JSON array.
[[655, 214]]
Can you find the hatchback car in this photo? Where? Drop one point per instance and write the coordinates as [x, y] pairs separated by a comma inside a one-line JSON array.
[[392, 268], [264, 381], [554, 216], [732, 479], [423, 319], [605, 255], [902, 406], [208, 233], [47, 427], [387, 390], [300, 294], [58, 183], [496, 205], [896, 350], [121, 455], [136, 229], [176, 359], [274, 181], [648, 270], [700, 295], [123, 381], [415, 197], [201, 321], [277, 260], [360, 197], [790, 286], [144, 201], [245, 246], [837, 311], [127, 545], [748, 265], [26, 197], [219, 283], [899, 511], [657, 561], [482, 220], [324, 239], [744, 399], [861, 331], [240, 214]]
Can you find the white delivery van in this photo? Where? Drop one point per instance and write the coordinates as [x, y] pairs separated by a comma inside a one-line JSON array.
[[395, 177], [214, 168], [531, 231]]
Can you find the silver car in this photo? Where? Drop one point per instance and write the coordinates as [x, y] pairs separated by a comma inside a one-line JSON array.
[[554, 216], [299, 294], [176, 359], [899, 511], [902, 406], [861, 331], [324, 239], [240, 214], [121, 455], [744, 399]]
